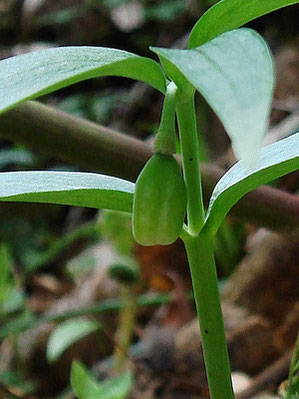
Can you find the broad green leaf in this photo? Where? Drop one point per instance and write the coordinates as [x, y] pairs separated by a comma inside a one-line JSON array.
[[86, 387], [83, 384], [276, 160], [234, 72], [66, 334], [28, 76], [231, 14], [67, 188]]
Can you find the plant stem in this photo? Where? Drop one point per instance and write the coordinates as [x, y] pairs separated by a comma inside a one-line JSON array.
[[205, 285], [107, 305], [126, 327], [200, 251], [165, 140], [190, 156]]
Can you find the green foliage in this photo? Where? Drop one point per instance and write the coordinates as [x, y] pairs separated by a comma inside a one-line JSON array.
[[11, 297], [67, 188], [233, 71], [86, 387], [292, 385], [235, 75], [277, 160], [32, 75], [5, 260], [66, 334], [28, 320], [231, 14]]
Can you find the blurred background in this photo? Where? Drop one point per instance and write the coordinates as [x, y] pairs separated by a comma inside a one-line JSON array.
[[74, 282]]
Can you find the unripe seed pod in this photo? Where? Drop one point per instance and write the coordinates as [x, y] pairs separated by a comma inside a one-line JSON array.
[[160, 202]]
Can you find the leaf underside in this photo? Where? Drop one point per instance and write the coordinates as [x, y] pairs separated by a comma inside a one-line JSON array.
[[234, 73], [32, 75], [89, 190], [276, 160], [231, 14]]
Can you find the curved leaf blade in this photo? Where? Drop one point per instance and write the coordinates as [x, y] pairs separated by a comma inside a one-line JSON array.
[[66, 334], [83, 384], [234, 72], [231, 14], [32, 75], [89, 190], [277, 160]]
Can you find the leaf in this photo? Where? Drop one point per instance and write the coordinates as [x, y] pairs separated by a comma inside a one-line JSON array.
[[83, 384], [231, 14], [66, 334], [28, 76], [234, 73], [67, 188], [14, 299], [277, 160], [118, 387], [86, 387], [11, 297]]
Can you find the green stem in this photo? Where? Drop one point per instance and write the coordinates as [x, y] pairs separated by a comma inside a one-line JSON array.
[[126, 327], [20, 325], [205, 285], [165, 141], [190, 156]]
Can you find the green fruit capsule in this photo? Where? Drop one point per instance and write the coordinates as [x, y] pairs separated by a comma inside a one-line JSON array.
[[160, 202]]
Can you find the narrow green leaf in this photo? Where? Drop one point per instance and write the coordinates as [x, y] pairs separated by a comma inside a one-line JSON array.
[[28, 76], [66, 334], [292, 385], [231, 14], [83, 384], [234, 72], [5, 265], [277, 160], [67, 188]]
